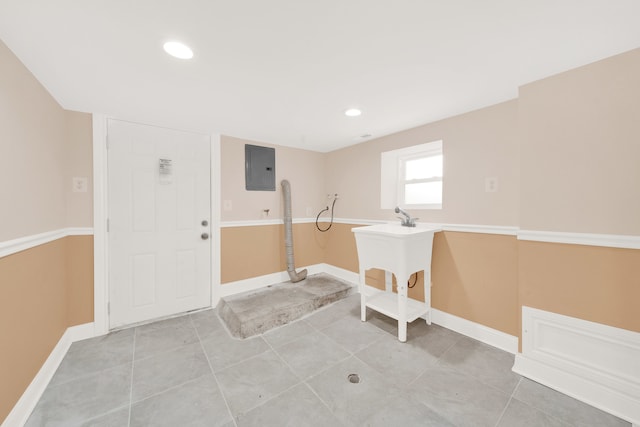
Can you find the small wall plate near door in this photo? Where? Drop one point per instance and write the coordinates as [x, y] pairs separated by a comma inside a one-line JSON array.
[[79, 184], [491, 184]]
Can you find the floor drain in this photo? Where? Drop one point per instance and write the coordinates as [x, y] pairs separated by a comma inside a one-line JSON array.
[[353, 378]]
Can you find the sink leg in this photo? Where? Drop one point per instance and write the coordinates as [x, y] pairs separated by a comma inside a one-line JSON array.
[[427, 293], [402, 311], [363, 298]]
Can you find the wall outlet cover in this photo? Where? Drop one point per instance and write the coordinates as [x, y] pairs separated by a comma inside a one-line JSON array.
[[491, 184], [79, 184]]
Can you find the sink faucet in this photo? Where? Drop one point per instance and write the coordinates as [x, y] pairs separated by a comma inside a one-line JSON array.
[[407, 221]]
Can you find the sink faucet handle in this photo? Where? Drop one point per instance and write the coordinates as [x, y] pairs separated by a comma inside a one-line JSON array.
[[407, 221]]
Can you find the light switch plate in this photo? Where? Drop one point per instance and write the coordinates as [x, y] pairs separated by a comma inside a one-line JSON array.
[[79, 184], [491, 184]]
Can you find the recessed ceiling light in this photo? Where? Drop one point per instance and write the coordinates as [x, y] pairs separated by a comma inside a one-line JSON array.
[[178, 50], [352, 112]]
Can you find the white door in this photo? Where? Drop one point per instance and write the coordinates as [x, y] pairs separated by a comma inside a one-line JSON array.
[[159, 214]]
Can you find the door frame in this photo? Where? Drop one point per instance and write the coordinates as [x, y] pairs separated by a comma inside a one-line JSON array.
[[101, 209]]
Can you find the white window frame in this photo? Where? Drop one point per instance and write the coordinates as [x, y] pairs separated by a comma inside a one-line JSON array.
[[392, 175]]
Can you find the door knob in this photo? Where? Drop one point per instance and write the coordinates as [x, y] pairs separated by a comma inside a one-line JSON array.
[[204, 222], [204, 236]]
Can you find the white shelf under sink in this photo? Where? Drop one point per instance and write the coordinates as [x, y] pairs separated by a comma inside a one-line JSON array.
[[387, 304]]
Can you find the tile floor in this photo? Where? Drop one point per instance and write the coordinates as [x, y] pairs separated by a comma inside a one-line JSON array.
[[188, 371]]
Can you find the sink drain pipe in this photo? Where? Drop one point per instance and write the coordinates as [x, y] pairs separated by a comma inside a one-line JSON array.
[[288, 235]]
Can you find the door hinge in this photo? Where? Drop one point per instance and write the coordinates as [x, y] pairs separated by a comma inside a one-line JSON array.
[[107, 142], [107, 225], [109, 308]]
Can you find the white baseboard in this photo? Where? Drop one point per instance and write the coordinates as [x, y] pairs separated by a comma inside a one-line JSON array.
[[341, 273], [27, 402], [254, 283], [594, 363], [474, 330]]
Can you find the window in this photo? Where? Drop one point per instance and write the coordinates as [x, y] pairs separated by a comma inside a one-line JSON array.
[[412, 177]]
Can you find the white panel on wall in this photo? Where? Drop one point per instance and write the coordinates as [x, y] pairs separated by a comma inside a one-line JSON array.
[[595, 363]]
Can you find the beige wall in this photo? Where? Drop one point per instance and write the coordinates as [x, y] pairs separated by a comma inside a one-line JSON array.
[[45, 289], [79, 279], [256, 251], [579, 137], [475, 276], [476, 145], [32, 152], [79, 163], [42, 147], [588, 282], [33, 315], [304, 169]]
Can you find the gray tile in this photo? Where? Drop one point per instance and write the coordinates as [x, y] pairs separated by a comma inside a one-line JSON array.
[[383, 322], [182, 320], [322, 318], [287, 333], [94, 356], [206, 323], [399, 362], [196, 403], [353, 334], [223, 350], [433, 339], [254, 381], [520, 414], [352, 403], [152, 341], [405, 411], [118, 418], [158, 373], [298, 406], [458, 397], [74, 402], [311, 354], [563, 407], [488, 364], [115, 336]]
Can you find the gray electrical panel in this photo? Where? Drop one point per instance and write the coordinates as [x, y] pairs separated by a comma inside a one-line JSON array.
[[259, 168]]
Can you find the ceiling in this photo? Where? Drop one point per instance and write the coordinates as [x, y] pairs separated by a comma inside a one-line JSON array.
[[284, 71]]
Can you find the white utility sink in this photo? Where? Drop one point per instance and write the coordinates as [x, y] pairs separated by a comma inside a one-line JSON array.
[[401, 251]]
